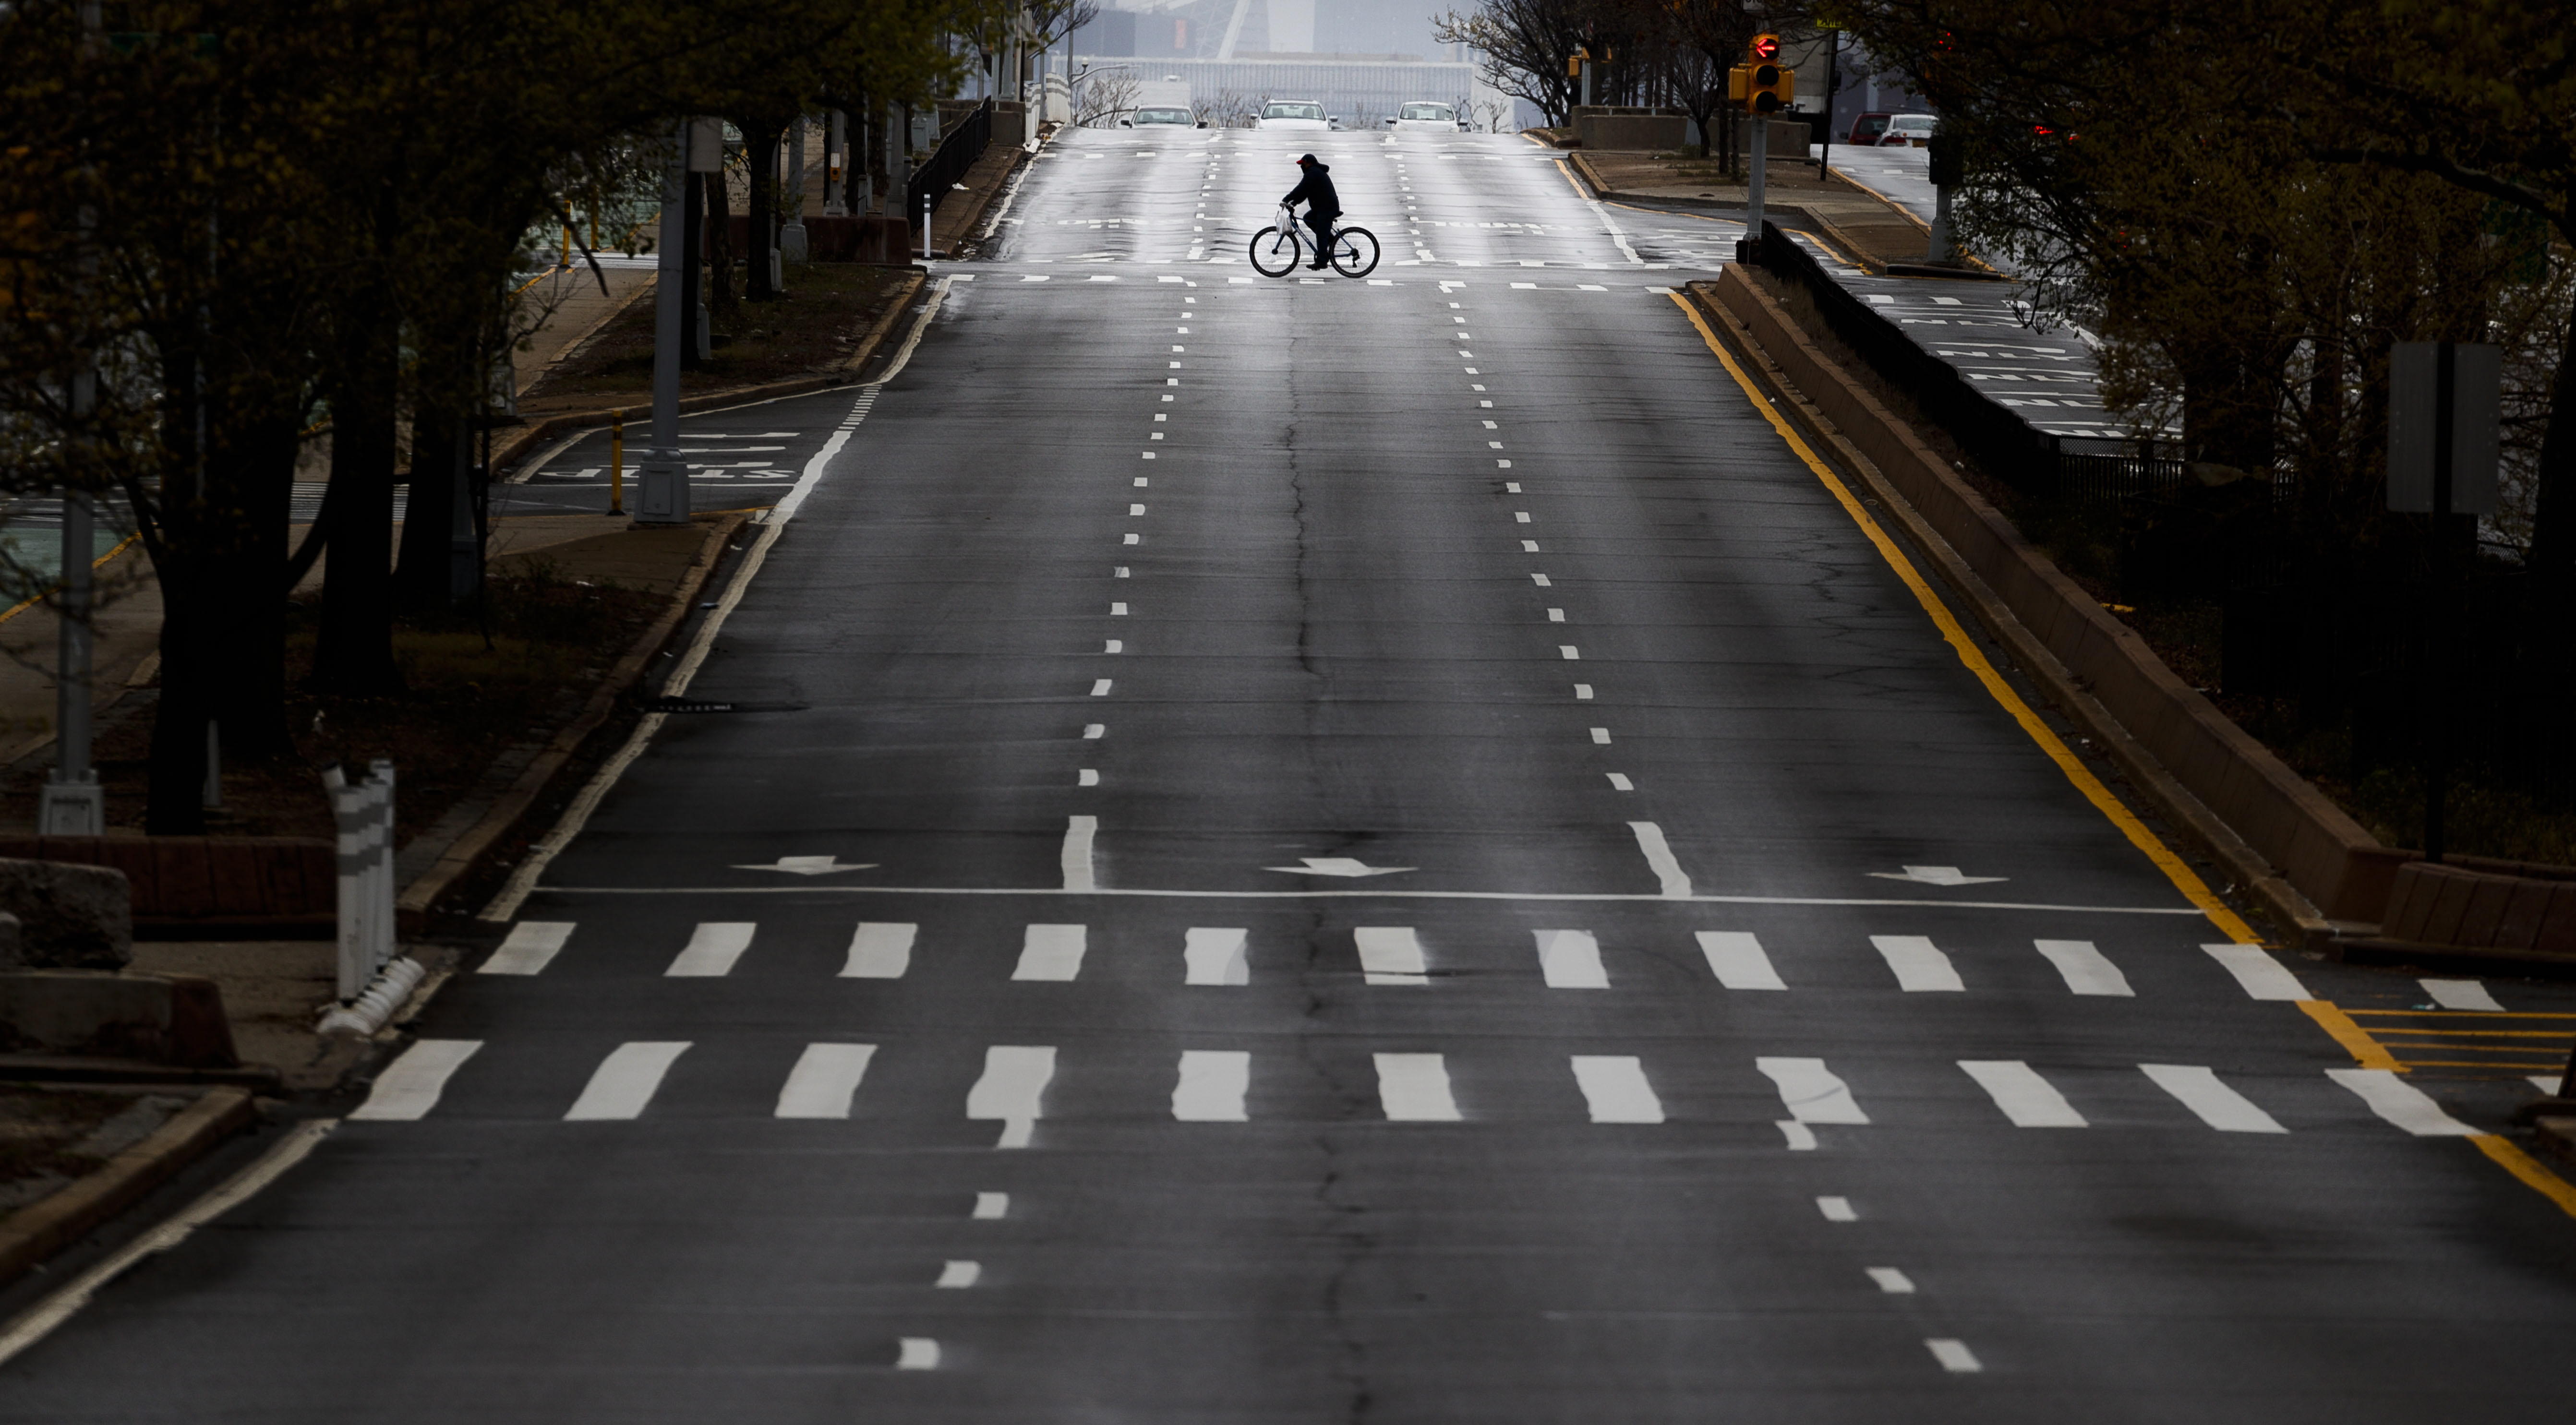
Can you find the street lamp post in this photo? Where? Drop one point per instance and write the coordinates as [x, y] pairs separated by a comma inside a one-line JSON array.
[[663, 496]]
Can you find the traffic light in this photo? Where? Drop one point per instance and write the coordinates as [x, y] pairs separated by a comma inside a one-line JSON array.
[[1574, 62], [1766, 85]]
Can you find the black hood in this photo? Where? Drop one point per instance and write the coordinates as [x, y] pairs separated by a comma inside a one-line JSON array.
[[1310, 161]]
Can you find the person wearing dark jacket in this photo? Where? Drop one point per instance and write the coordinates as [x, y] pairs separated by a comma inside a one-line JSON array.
[[1323, 205]]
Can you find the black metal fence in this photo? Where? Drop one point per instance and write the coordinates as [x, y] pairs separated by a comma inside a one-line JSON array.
[[2013, 450], [958, 149]]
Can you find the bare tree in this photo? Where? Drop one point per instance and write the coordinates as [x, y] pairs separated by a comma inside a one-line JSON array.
[[1521, 46], [1105, 97]]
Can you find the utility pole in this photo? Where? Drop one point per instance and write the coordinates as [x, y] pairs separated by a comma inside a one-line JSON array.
[[72, 802], [663, 498]]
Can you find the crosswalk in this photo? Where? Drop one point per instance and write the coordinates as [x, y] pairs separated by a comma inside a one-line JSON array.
[[1400, 956], [828, 1079]]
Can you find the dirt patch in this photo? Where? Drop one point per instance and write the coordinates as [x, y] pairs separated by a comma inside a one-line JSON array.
[[829, 306], [52, 1136], [484, 687]]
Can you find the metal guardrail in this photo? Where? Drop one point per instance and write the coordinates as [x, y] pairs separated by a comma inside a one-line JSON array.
[[958, 149], [2017, 453]]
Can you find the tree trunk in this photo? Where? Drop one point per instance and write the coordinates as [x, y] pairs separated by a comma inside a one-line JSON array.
[[354, 652], [424, 581], [723, 306], [763, 201], [249, 692]]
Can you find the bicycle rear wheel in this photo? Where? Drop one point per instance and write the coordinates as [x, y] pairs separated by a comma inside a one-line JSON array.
[[1354, 252], [1275, 252]]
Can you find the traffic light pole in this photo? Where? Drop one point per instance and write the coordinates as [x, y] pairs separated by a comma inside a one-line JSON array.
[[664, 496], [1760, 130]]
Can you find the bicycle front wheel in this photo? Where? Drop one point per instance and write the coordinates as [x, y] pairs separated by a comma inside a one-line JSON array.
[[1274, 252], [1354, 252]]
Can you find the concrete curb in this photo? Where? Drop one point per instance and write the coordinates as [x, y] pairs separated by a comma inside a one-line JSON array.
[[42, 1228], [2248, 869], [465, 850], [844, 373], [462, 853]]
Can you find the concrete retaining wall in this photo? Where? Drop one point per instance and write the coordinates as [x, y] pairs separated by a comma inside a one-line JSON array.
[[2337, 866], [166, 1019], [276, 885]]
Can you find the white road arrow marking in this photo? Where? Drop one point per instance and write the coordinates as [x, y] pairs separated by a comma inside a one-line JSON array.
[[810, 865], [1936, 876], [1338, 866]]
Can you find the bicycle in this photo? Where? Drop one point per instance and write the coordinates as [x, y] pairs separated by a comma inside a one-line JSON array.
[[1284, 243]]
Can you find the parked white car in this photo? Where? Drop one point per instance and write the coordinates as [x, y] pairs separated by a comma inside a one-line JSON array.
[[1436, 118], [1909, 131], [1293, 114]]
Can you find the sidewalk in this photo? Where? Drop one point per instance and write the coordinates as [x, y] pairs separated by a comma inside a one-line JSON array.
[[1850, 216]]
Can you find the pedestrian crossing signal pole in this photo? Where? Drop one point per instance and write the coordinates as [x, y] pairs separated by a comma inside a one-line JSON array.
[[697, 147]]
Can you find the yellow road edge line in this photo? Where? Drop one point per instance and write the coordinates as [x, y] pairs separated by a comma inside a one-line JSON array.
[[98, 563], [2176, 870], [2535, 1176], [2355, 1040], [2512, 1071], [2481, 1015]]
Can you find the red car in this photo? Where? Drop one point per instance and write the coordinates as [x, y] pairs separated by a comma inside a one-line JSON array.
[[1866, 129]]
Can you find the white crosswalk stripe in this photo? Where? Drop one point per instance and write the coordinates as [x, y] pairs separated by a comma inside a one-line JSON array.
[[1051, 952], [1570, 960], [410, 1086], [1013, 1089], [1414, 1088], [2028, 1100], [825, 1079], [2258, 973], [1211, 1086], [880, 950], [2085, 969], [1215, 956], [712, 949], [1811, 1092], [1919, 966], [2219, 1106], [1615, 1089], [2401, 1103], [625, 1081], [1390, 955], [530, 947], [1736, 958]]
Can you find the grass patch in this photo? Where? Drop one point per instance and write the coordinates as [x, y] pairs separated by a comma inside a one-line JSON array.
[[828, 307]]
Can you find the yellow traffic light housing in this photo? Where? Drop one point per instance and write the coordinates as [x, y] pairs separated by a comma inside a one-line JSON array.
[[1574, 62], [1764, 86]]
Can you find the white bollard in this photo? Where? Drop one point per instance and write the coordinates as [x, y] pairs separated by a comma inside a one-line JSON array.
[[365, 814]]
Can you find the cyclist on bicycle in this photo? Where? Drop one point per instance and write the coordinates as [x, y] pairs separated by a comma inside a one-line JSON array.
[[1323, 205]]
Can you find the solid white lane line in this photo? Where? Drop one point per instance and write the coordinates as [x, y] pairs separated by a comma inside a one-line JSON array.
[[1075, 858], [1837, 1209], [1811, 1092], [1414, 1088], [530, 946], [880, 950], [1737, 959], [1919, 965], [990, 1206], [2216, 1104], [1215, 955], [2258, 973], [916, 1353], [1211, 1086], [712, 949], [1051, 952], [2086, 970], [1570, 960], [2401, 1103], [625, 1081], [823, 1081], [1615, 1089], [955, 1275], [2462, 994], [1659, 858], [1954, 1355], [1012, 1089], [2027, 1099], [1891, 1281], [1390, 955], [409, 1086]]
